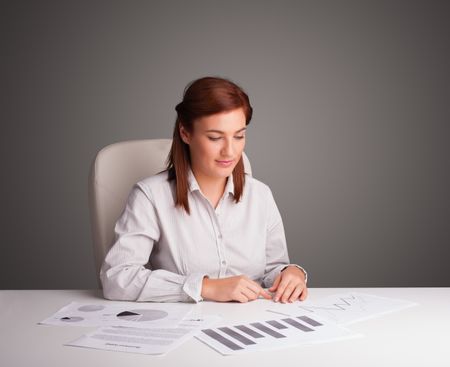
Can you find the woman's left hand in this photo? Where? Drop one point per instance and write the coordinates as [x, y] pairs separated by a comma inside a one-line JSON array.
[[289, 285]]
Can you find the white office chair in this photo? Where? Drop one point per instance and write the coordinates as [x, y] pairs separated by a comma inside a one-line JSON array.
[[115, 170]]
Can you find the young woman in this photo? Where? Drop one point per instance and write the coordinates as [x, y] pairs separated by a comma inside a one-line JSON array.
[[203, 229]]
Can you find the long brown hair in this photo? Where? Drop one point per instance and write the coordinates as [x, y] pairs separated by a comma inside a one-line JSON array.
[[203, 97]]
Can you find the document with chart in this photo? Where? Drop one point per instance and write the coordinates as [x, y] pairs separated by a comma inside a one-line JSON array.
[[129, 314], [153, 340], [274, 333], [344, 308]]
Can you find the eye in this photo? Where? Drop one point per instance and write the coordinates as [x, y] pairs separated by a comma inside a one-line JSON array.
[[236, 137]]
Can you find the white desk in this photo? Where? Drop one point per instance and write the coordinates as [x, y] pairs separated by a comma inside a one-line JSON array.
[[417, 336]]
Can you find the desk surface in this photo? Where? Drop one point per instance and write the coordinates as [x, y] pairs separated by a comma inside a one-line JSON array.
[[417, 336]]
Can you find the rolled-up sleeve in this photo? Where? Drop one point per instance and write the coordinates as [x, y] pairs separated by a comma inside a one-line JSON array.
[[123, 273], [277, 257]]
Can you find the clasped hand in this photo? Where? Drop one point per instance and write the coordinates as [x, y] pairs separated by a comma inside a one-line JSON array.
[[288, 286]]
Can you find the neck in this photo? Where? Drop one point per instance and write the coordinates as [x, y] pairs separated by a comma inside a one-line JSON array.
[[210, 185]]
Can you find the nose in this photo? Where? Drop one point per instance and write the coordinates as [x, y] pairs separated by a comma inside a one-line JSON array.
[[228, 148]]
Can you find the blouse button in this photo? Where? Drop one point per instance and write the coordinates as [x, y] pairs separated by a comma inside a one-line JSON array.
[[224, 262]]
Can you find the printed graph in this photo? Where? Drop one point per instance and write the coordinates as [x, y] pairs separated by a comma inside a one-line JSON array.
[[142, 315], [333, 310], [271, 334], [119, 314], [344, 308]]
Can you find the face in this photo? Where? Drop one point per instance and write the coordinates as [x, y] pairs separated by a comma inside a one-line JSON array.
[[216, 144]]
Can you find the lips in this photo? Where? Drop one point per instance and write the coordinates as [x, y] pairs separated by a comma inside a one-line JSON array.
[[225, 164]]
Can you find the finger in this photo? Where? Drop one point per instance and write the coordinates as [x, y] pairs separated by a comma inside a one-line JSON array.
[[281, 287], [241, 297], [304, 294], [296, 293], [265, 294], [259, 290], [249, 294], [275, 284], [288, 292], [253, 286]]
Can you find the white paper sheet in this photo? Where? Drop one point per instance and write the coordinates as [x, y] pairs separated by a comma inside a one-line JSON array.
[[344, 308], [144, 340], [275, 333], [129, 314]]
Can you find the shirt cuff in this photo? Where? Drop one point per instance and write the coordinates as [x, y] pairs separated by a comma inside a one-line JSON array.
[[298, 266], [193, 286]]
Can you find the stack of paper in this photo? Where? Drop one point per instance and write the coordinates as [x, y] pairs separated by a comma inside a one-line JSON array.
[[151, 328], [157, 328]]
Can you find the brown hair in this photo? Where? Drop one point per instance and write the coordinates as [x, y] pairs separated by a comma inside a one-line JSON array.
[[203, 97]]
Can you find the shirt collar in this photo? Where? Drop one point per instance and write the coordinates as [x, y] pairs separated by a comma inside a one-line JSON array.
[[193, 184]]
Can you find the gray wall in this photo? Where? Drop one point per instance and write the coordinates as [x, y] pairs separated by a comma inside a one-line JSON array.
[[351, 124]]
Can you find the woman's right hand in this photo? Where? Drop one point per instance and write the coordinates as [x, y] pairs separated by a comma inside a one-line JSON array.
[[237, 288]]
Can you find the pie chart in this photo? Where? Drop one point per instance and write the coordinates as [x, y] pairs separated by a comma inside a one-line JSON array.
[[91, 308], [71, 319], [142, 315]]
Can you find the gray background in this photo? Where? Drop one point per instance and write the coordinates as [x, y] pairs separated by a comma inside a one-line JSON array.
[[350, 130]]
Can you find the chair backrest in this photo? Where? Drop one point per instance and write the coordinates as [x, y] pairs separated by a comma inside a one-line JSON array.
[[114, 171]]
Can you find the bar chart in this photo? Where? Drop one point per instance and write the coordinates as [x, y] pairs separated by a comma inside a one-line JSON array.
[[272, 334]]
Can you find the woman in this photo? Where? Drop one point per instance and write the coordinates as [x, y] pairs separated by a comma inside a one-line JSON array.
[[202, 229]]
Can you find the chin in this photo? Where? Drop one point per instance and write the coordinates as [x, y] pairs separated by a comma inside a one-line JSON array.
[[223, 172]]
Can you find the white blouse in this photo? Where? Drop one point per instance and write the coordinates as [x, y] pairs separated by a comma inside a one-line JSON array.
[[161, 253]]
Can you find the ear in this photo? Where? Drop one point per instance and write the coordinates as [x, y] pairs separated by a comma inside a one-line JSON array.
[[184, 135]]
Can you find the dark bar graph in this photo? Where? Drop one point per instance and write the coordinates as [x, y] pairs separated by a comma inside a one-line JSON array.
[[309, 320], [297, 325], [267, 330], [277, 324], [221, 339], [237, 336], [249, 331], [261, 335]]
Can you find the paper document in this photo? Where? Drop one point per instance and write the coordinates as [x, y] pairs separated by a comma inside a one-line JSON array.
[[274, 333], [144, 340], [130, 314], [344, 308]]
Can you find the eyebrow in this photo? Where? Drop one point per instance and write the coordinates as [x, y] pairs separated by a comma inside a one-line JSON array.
[[222, 132]]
